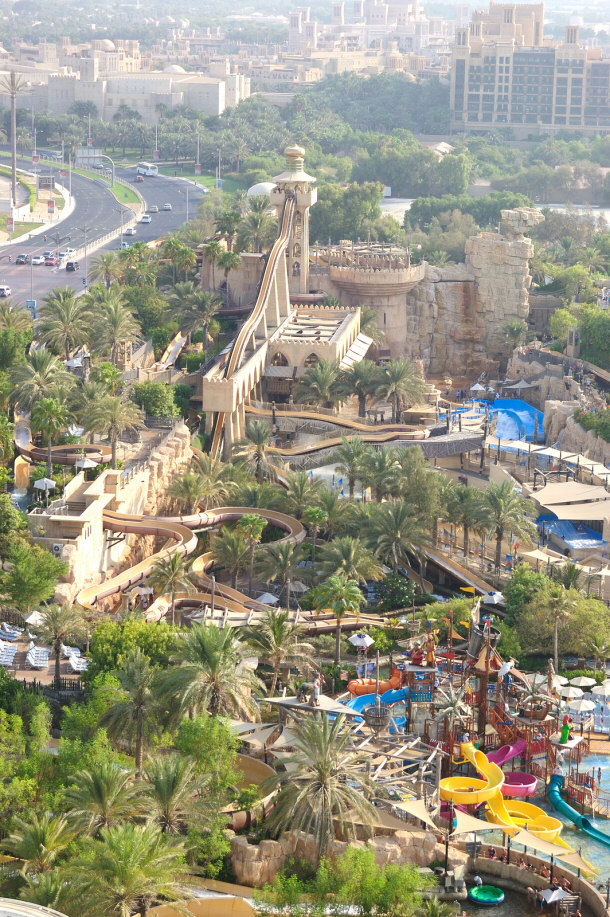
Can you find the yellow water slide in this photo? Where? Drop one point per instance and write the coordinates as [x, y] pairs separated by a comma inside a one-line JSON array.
[[509, 814]]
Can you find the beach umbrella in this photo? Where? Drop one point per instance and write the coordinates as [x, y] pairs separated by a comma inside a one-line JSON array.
[[45, 484], [86, 463], [553, 895], [477, 387], [34, 618], [537, 679], [570, 692], [493, 598], [361, 641], [581, 705], [559, 680], [582, 681], [602, 690]]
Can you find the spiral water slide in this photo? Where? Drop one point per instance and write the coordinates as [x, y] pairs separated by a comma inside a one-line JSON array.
[[363, 429], [62, 455], [249, 326]]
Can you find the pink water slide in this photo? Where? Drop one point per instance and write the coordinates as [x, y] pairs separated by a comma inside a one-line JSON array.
[[519, 784], [507, 752]]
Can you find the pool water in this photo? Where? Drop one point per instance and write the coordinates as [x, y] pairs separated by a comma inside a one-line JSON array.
[[597, 855], [514, 905]]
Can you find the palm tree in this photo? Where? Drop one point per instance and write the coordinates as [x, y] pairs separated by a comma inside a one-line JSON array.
[[189, 490], [251, 527], [65, 320], [257, 230], [206, 673], [133, 716], [47, 889], [324, 784], [379, 470], [278, 563], [42, 376], [599, 647], [337, 510], [277, 643], [368, 324], [314, 518], [60, 624], [198, 311], [171, 575], [402, 384], [301, 491], [127, 869], [180, 255], [14, 318], [397, 535], [339, 595], [117, 326], [466, 509], [211, 252], [568, 575], [319, 384], [349, 457], [350, 557], [252, 450], [170, 787], [112, 415], [49, 417], [362, 380], [230, 550], [558, 603], [107, 267], [38, 842], [228, 261], [226, 226], [506, 511], [258, 496], [103, 796]]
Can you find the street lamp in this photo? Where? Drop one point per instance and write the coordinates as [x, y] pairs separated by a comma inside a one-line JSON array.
[[121, 211], [86, 230]]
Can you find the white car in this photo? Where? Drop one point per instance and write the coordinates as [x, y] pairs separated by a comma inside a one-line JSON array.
[[130, 231], [146, 218], [167, 206], [37, 259]]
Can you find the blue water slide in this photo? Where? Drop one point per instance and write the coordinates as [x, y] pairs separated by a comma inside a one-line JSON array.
[[553, 794]]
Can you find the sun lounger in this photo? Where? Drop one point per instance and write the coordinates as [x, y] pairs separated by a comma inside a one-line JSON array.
[[7, 656], [38, 658], [78, 664], [9, 635], [12, 628], [68, 651]]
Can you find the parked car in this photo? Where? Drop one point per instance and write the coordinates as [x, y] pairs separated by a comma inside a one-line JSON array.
[[51, 261], [146, 218], [130, 231], [167, 206], [38, 259], [4, 291], [22, 259], [72, 266], [48, 254], [153, 209]]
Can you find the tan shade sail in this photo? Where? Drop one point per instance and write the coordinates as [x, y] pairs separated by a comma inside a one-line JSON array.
[[527, 839], [417, 808], [467, 823], [575, 860]]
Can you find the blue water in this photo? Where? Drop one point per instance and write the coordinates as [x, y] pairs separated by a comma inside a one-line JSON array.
[[577, 536], [515, 419]]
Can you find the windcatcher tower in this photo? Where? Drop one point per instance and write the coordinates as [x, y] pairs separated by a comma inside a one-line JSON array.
[[295, 181]]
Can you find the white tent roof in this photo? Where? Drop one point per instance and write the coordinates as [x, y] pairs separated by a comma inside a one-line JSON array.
[[357, 351], [417, 808], [584, 512], [569, 492]]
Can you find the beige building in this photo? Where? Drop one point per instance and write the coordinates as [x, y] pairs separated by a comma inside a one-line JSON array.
[[504, 73]]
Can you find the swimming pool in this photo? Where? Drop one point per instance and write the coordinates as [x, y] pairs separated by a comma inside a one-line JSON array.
[[516, 419]]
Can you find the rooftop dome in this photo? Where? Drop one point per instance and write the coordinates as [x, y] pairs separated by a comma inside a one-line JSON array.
[[174, 68], [107, 45], [261, 188]]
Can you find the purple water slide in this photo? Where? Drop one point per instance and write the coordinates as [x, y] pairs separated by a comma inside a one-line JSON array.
[[506, 752]]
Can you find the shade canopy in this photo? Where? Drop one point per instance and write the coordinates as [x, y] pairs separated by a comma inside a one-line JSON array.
[[583, 681], [466, 823], [44, 484], [553, 895], [267, 598], [86, 463], [569, 692], [560, 680], [527, 839], [417, 808], [581, 705], [575, 860], [34, 618], [477, 387], [601, 690], [362, 641]]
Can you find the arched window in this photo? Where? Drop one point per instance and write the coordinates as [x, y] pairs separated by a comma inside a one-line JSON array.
[[278, 359], [296, 251], [296, 268], [311, 360]]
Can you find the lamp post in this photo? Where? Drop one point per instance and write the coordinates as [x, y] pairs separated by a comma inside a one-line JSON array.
[[86, 230], [213, 578], [121, 211]]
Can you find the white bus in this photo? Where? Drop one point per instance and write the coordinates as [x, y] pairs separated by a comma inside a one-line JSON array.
[[147, 168]]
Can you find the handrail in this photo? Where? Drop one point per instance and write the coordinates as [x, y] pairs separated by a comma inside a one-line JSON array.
[[253, 319]]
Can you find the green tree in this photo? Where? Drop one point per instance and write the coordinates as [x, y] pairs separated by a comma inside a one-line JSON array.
[[253, 449], [65, 320], [39, 841], [59, 624], [133, 716], [211, 252], [171, 575], [341, 596], [379, 470], [278, 643], [116, 325], [506, 511], [198, 311], [32, 575], [113, 415], [561, 320], [231, 552], [398, 535], [127, 869], [362, 380], [155, 398], [314, 518], [279, 563], [395, 592], [319, 384], [49, 417], [258, 228], [107, 267], [113, 641], [43, 376], [14, 318], [324, 784], [349, 457], [251, 527], [228, 261], [466, 509], [102, 797], [171, 788], [401, 384], [301, 491], [48, 889], [13, 524], [350, 557], [207, 673]]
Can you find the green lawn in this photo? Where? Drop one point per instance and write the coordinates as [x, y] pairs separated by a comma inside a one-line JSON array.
[[123, 193], [230, 183], [20, 229]]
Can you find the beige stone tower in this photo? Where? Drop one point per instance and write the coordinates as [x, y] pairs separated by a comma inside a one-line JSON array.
[[296, 180]]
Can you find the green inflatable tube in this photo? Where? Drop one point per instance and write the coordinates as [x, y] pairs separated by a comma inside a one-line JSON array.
[[486, 895]]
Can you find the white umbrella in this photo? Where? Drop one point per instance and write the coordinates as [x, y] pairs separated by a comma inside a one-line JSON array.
[[581, 705], [76, 431], [583, 681], [569, 692], [552, 895], [606, 681], [362, 641], [477, 387], [34, 618], [559, 680], [86, 463], [142, 590], [45, 484], [601, 690], [298, 586], [537, 680], [493, 598], [267, 598]]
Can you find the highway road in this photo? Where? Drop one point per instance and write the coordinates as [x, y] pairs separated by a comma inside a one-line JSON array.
[[98, 212]]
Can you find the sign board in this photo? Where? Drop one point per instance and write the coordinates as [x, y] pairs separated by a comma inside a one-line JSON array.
[[46, 182], [63, 173], [30, 305], [51, 206], [10, 224], [35, 156], [219, 184], [197, 169], [387, 191], [89, 141], [156, 155]]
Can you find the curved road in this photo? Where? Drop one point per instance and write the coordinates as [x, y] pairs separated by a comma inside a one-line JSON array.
[[98, 211]]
